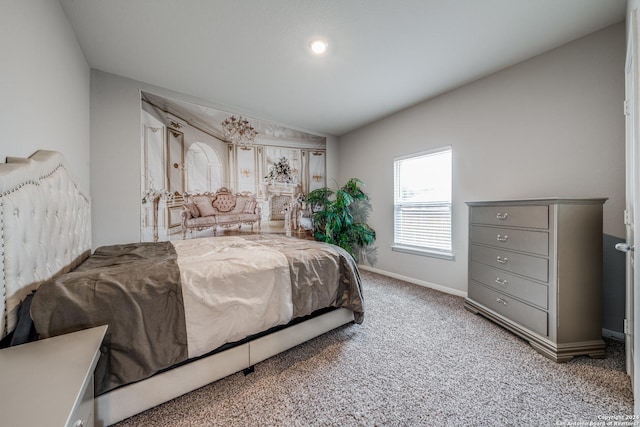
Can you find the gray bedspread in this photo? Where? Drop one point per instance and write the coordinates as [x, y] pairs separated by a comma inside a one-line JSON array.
[[140, 289]]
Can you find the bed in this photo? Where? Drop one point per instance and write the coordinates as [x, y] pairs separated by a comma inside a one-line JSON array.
[[180, 314]]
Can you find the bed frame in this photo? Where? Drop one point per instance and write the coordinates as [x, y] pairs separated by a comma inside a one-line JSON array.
[[45, 230]]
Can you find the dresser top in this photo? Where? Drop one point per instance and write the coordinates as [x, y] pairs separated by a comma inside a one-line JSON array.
[[540, 201]]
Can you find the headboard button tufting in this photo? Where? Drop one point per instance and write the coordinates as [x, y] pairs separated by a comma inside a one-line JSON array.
[[55, 236]]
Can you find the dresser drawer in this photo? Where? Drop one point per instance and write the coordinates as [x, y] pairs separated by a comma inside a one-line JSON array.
[[521, 313], [527, 290], [511, 216], [526, 265], [536, 242]]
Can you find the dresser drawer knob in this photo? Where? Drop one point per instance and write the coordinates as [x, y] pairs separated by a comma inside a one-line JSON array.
[[502, 216], [502, 260], [501, 282], [502, 238], [500, 300]]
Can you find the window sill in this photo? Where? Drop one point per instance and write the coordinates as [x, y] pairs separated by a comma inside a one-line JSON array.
[[424, 252]]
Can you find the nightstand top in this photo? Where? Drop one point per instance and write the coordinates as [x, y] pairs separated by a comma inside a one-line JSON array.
[[42, 382]]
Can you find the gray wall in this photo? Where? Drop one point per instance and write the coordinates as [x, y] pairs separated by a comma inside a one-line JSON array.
[[550, 126], [116, 154], [44, 85]]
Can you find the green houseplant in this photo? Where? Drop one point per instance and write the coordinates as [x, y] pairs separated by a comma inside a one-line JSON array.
[[339, 217]]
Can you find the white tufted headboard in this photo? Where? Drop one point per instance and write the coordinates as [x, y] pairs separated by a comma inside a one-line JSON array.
[[45, 227]]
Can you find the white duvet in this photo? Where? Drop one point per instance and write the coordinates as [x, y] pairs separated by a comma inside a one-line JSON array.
[[229, 292]]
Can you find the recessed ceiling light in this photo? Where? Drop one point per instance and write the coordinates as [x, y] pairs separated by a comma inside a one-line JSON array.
[[318, 46]]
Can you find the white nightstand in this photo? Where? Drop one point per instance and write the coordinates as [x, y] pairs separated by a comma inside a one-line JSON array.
[[50, 382]]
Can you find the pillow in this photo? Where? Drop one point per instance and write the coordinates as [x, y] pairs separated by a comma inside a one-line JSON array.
[[193, 210], [204, 206], [249, 207]]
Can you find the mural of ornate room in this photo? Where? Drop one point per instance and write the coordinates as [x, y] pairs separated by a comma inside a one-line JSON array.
[[189, 149]]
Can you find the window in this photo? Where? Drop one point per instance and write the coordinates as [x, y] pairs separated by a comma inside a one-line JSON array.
[[422, 203]]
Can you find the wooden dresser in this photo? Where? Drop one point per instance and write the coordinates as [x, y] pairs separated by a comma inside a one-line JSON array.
[[535, 267]]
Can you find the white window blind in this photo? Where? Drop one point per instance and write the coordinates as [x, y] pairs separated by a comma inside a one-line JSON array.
[[422, 202]]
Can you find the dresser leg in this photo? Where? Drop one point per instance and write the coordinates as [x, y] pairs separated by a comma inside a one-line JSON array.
[[599, 355], [470, 308]]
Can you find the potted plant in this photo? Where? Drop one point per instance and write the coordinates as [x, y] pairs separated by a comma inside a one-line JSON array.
[[339, 217]]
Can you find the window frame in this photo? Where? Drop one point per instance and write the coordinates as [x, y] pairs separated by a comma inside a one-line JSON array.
[[424, 250]]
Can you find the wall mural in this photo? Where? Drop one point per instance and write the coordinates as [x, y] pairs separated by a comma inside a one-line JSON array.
[[195, 157]]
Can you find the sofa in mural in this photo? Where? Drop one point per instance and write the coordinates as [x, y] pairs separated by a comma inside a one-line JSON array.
[[220, 209]]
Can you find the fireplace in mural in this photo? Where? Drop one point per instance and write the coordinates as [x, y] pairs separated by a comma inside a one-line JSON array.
[[185, 152]]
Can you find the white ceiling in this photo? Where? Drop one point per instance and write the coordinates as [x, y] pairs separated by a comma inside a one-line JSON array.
[[252, 57]]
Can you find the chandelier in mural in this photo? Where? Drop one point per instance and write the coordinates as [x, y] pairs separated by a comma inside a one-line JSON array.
[[239, 131]]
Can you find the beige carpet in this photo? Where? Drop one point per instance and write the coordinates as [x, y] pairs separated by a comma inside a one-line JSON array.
[[419, 359]]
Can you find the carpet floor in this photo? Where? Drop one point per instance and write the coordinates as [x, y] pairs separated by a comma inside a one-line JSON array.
[[419, 359]]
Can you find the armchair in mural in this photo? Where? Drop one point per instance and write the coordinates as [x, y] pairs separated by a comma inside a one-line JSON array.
[[302, 214]]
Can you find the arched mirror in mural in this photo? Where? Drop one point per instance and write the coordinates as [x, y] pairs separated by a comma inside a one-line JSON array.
[[204, 169]]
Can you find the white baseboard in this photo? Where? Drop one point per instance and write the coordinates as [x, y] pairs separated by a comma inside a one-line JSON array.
[[433, 286], [608, 333]]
